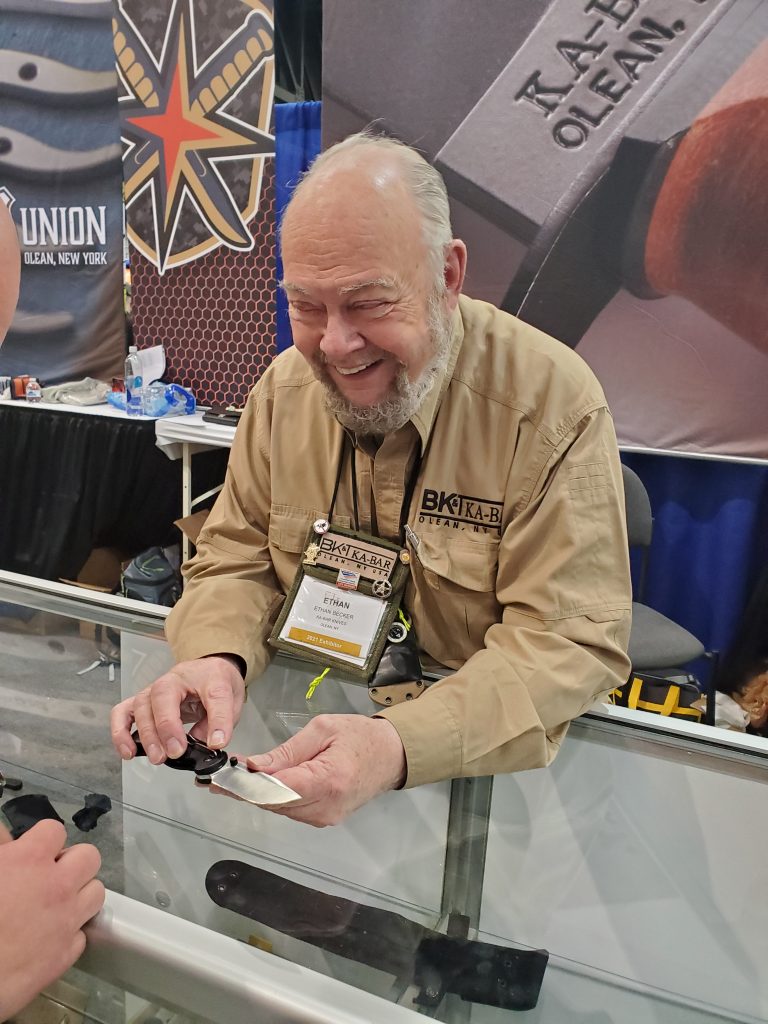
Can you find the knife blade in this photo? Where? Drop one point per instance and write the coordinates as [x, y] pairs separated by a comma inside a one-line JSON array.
[[254, 787], [217, 768], [32, 76]]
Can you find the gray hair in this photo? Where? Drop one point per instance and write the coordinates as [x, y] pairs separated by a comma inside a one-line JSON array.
[[423, 181]]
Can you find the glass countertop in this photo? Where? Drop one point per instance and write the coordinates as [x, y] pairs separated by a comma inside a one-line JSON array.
[[633, 860]]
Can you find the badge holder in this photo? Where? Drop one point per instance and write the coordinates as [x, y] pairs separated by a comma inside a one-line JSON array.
[[343, 601]]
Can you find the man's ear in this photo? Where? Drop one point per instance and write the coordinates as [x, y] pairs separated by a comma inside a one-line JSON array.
[[454, 269]]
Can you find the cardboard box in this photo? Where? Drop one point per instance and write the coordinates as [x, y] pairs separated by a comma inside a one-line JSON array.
[[101, 570], [191, 526]]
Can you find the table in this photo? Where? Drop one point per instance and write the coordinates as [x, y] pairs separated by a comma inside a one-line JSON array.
[[185, 436], [75, 478]]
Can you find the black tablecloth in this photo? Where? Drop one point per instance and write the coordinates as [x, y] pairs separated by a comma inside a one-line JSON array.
[[70, 482]]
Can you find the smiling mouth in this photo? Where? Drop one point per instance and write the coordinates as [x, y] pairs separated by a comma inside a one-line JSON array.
[[348, 371]]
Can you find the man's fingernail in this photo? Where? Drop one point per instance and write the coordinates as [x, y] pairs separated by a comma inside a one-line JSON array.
[[126, 753], [261, 760], [154, 753], [217, 739], [174, 748]]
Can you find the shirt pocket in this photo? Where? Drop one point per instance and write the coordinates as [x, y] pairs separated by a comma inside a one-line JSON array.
[[454, 593], [289, 528]]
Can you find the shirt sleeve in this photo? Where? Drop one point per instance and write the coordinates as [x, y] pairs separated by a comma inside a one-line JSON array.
[[232, 596], [564, 586]]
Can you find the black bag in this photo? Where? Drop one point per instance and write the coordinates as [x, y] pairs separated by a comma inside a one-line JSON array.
[[151, 577], [676, 698]]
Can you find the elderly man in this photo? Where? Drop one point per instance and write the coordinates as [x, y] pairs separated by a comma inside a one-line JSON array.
[[481, 446], [47, 892]]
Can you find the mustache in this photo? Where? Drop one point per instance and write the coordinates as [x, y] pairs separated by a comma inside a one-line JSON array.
[[320, 359]]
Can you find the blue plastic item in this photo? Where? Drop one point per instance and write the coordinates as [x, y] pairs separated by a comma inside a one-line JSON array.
[[159, 400], [173, 401]]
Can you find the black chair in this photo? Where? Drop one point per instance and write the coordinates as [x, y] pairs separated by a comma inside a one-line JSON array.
[[656, 644]]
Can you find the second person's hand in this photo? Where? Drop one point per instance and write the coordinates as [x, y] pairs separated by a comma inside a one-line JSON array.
[[207, 691]]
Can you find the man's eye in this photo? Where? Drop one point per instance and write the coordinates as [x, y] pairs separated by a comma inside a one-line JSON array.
[[370, 304], [303, 307]]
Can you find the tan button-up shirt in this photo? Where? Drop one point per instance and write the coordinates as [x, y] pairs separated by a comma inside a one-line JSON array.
[[519, 569]]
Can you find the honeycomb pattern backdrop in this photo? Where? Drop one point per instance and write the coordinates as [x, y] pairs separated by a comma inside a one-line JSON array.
[[216, 315]]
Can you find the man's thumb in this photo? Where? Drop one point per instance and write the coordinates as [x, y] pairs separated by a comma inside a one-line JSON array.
[[302, 747]]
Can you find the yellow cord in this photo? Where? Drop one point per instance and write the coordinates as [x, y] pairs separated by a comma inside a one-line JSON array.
[[316, 682], [403, 619]]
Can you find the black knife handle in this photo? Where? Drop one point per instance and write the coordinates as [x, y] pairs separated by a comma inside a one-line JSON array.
[[196, 758]]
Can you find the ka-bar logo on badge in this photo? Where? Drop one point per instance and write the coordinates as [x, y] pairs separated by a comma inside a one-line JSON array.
[[367, 560], [197, 134]]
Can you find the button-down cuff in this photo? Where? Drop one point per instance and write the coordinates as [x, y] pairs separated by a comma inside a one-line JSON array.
[[254, 660], [431, 738]]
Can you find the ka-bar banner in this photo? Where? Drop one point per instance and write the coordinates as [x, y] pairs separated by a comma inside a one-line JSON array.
[[60, 176], [608, 167], [197, 87]]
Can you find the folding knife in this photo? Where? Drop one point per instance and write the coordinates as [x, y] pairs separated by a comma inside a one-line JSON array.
[[216, 767]]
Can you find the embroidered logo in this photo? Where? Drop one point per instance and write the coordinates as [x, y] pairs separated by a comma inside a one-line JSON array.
[[460, 511]]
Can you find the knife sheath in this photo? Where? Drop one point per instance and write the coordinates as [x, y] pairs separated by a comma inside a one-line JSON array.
[[476, 971]]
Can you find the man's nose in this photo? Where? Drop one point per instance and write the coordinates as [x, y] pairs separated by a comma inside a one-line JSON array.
[[339, 339]]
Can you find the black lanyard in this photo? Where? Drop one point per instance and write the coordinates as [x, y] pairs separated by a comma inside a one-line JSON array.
[[410, 487]]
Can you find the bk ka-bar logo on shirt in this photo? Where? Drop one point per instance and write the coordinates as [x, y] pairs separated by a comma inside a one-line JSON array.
[[460, 511]]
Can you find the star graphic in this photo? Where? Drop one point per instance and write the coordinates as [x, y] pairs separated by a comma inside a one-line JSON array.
[[176, 127]]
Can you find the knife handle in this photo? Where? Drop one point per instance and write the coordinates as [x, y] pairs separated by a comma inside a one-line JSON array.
[[196, 758], [706, 235]]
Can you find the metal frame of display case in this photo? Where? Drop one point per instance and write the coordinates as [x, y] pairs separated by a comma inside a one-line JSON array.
[[189, 968]]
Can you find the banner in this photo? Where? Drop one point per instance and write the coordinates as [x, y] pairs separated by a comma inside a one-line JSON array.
[[197, 87], [60, 176], [608, 167]]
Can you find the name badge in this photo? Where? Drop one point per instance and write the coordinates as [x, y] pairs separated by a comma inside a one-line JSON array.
[[343, 600]]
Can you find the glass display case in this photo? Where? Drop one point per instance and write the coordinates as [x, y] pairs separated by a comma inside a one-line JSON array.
[[634, 861]]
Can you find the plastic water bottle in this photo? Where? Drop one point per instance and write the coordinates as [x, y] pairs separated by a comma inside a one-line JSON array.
[[33, 390], [133, 383]]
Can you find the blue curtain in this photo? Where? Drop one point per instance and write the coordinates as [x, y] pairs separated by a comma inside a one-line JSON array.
[[710, 543], [297, 143]]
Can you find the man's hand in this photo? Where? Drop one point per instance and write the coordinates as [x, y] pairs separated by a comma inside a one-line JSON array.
[[337, 763], [208, 691], [47, 894]]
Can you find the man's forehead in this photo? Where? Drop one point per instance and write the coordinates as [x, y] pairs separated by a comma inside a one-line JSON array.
[[348, 201], [353, 288]]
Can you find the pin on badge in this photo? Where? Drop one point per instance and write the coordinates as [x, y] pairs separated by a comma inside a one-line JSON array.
[[405, 557], [382, 588], [347, 579], [310, 555], [321, 526]]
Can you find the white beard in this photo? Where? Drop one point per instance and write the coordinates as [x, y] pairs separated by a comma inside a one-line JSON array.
[[405, 396]]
